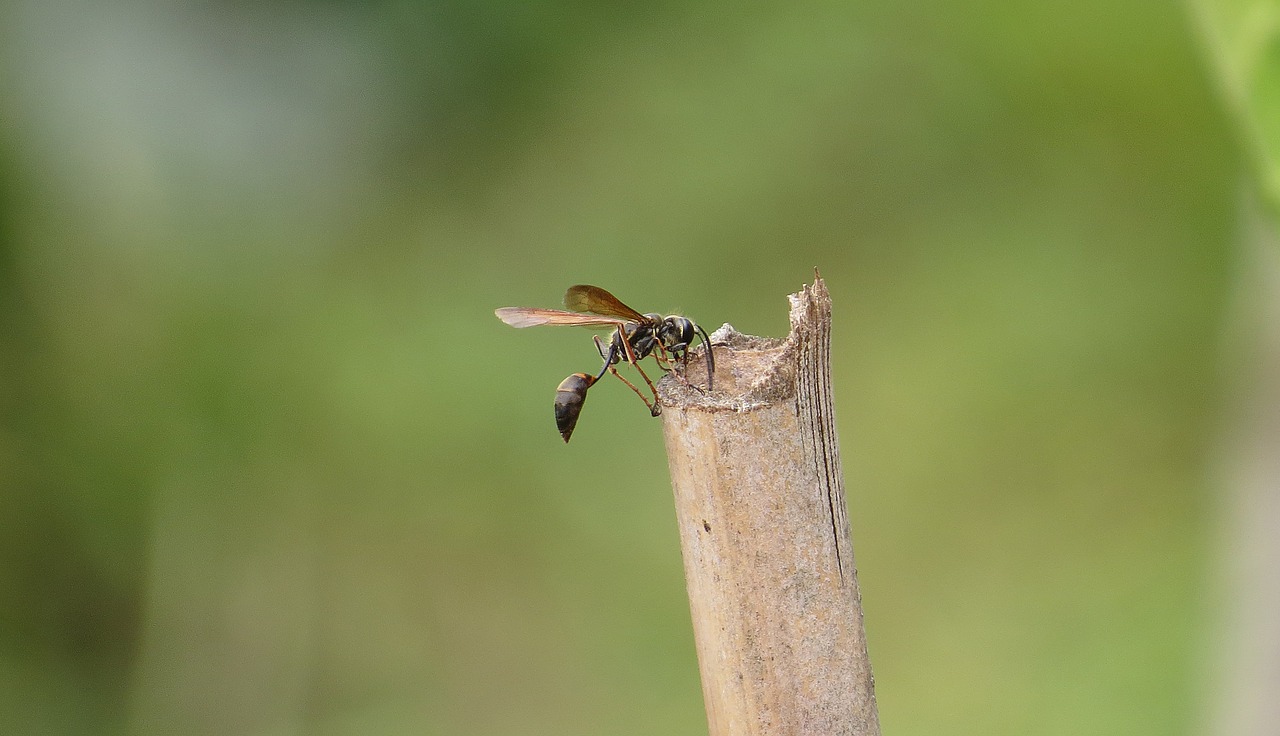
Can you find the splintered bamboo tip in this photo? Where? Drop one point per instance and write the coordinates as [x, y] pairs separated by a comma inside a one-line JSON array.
[[750, 371]]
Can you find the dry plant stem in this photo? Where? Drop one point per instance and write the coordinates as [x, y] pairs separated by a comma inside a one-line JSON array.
[[755, 467]]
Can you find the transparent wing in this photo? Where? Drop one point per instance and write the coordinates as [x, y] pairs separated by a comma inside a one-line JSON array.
[[532, 317], [585, 298]]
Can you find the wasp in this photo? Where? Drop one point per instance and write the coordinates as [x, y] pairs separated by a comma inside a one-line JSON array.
[[635, 336]]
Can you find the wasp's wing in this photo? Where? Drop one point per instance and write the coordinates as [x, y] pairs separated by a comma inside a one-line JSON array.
[[584, 298], [532, 317]]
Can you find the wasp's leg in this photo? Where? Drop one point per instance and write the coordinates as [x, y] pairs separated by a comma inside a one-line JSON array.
[[680, 355], [620, 336], [654, 408], [610, 356], [663, 359]]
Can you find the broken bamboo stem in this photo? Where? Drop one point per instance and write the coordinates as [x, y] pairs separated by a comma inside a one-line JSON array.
[[759, 494]]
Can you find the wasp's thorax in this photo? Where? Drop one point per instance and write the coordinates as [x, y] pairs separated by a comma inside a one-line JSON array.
[[674, 333]]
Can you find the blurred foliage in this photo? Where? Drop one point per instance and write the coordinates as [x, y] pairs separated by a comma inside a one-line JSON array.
[[268, 463], [1242, 38]]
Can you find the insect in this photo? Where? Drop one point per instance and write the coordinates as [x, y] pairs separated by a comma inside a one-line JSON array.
[[635, 336]]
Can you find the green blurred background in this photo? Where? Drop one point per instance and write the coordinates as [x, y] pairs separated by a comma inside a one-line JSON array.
[[269, 464]]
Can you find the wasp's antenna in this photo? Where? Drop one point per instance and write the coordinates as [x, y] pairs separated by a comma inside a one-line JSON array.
[[711, 358]]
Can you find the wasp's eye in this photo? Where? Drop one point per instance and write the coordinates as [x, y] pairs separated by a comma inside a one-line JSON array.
[[679, 330]]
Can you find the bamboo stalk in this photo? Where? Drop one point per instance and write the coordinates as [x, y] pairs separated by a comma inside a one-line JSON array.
[[759, 495]]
